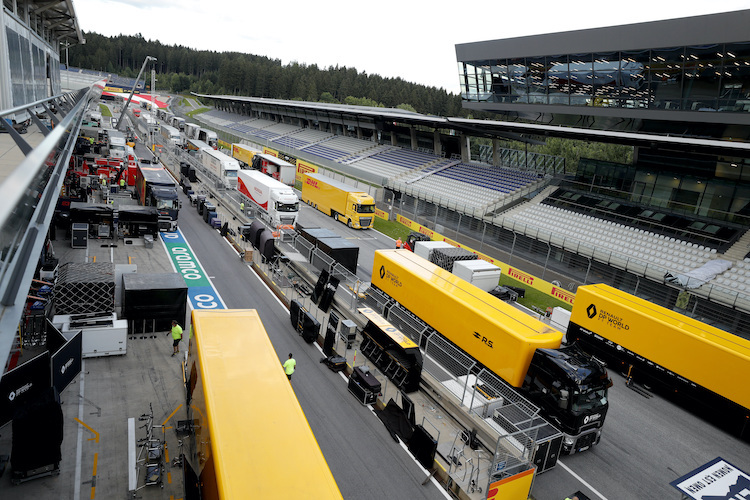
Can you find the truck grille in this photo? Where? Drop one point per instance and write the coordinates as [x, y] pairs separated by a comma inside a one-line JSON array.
[[365, 221], [586, 440], [286, 220]]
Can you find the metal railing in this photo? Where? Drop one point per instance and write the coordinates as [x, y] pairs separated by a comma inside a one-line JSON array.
[[29, 195], [509, 416], [622, 261]]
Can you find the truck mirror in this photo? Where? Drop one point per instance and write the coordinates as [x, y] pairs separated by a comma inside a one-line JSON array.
[[563, 403]]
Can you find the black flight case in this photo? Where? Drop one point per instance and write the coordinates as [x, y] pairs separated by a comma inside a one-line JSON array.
[[363, 385]]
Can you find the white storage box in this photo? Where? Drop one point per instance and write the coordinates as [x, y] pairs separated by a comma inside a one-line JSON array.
[[425, 248], [479, 273], [103, 335]]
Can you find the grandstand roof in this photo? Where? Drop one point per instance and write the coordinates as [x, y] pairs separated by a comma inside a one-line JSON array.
[[373, 112], [485, 128], [60, 18]]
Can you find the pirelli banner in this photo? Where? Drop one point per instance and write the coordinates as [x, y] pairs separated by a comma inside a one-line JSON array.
[[525, 278], [304, 167]]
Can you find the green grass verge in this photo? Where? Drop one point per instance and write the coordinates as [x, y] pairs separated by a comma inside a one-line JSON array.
[[197, 111], [104, 110], [534, 297], [391, 228]]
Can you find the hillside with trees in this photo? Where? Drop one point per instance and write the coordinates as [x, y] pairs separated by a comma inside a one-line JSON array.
[[182, 69]]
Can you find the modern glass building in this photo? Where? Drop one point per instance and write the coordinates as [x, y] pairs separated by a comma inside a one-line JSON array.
[[31, 40], [694, 70]]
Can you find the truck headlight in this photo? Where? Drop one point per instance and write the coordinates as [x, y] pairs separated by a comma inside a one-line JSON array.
[[569, 441]]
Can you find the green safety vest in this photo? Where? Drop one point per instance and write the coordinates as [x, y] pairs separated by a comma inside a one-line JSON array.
[[289, 365], [176, 332]]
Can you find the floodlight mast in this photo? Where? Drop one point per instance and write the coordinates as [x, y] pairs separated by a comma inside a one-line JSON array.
[[132, 91]]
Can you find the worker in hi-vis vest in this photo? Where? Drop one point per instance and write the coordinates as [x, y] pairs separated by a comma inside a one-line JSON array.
[[289, 366]]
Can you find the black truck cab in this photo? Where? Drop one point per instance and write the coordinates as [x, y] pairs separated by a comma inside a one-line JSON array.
[[571, 389]]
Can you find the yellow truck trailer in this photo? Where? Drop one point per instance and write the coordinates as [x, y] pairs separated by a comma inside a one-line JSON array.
[[344, 203], [500, 336], [247, 421], [679, 354], [569, 386], [244, 154]]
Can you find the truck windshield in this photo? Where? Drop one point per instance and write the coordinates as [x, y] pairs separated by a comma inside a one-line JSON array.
[[166, 204], [589, 400], [287, 207], [365, 209]]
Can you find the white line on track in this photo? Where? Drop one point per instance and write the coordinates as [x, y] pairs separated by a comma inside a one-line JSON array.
[[408, 453], [587, 485]]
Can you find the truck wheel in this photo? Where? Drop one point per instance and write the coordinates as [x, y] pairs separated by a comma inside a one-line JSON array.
[[349, 223], [334, 214]]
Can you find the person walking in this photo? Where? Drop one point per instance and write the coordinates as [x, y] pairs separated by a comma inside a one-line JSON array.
[[122, 183], [289, 366], [242, 207], [399, 243], [176, 336]]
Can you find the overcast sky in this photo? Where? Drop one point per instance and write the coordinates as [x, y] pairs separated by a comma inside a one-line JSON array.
[[411, 39]]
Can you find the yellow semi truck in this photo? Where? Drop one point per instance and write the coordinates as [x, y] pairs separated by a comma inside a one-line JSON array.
[[697, 364], [244, 154], [344, 203], [569, 386]]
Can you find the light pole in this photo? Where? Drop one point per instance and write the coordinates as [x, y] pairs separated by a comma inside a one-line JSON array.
[[132, 91]]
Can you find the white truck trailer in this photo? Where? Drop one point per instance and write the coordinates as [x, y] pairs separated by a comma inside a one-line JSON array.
[[274, 198]]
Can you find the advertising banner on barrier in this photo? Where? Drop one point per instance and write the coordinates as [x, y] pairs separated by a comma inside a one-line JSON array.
[[304, 167], [525, 278]]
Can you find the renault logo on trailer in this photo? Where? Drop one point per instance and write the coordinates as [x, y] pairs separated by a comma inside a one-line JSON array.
[[591, 311], [382, 272]]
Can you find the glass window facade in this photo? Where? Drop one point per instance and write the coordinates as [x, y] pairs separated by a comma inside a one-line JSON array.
[[710, 78], [718, 191]]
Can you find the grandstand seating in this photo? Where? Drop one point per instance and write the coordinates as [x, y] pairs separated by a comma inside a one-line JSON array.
[[738, 277], [664, 221], [457, 192], [459, 184], [504, 180], [220, 118], [223, 115], [276, 130], [251, 126], [667, 252], [321, 150]]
